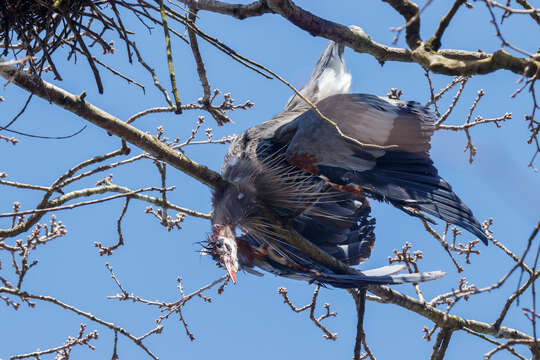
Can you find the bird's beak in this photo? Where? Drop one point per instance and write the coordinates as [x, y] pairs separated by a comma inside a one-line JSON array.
[[228, 249], [230, 265]]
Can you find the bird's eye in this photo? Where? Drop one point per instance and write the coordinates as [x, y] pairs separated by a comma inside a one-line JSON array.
[[219, 243]]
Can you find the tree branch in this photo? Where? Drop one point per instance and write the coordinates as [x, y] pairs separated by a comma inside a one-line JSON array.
[[435, 42], [410, 11], [239, 11], [446, 61], [55, 205], [24, 295], [77, 105], [528, 6], [441, 344], [440, 317], [64, 349]]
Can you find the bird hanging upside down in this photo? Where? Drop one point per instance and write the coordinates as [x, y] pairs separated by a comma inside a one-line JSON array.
[[298, 166]]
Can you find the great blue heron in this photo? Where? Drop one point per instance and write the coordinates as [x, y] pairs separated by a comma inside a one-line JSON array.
[[317, 178]]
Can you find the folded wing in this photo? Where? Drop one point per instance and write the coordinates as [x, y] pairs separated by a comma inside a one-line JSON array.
[[388, 157]]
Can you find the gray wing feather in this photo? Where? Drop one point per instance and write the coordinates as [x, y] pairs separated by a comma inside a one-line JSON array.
[[403, 175], [367, 118]]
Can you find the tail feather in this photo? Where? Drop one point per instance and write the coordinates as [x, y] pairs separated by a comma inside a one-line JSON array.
[[378, 276], [409, 181], [426, 196]]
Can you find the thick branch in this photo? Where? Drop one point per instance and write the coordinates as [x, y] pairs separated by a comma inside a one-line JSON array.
[[446, 61], [77, 105], [353, 37], [441, 344], [440, 317], [410, 12], [435, 42], [528, 6], [239, 11]]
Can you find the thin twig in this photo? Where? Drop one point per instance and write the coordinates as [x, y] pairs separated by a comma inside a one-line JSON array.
[[24, 295], [311, 306], [170, 59], [80, 193]]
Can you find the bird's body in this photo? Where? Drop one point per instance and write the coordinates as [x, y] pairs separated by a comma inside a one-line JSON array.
[[302, 169]]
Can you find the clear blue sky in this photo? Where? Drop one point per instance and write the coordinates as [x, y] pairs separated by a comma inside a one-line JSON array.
[[249, 319]]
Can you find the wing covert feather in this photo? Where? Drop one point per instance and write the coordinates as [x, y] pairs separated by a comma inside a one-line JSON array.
[[403, 175]]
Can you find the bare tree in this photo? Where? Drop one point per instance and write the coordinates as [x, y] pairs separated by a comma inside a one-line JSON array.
[[39, 37]]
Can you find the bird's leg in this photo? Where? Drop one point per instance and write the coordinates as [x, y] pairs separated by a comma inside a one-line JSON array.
[[348, 188]]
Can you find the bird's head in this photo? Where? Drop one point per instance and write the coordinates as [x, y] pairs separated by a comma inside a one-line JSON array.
[[232, 207], [224, 249], [254, 185]]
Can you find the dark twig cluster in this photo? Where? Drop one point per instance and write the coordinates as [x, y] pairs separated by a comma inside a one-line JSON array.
[[37, 29]]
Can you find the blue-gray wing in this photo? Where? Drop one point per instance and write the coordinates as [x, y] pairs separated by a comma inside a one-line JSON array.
[[337, 222], [341, 226], [313, 272], [398, 171]]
